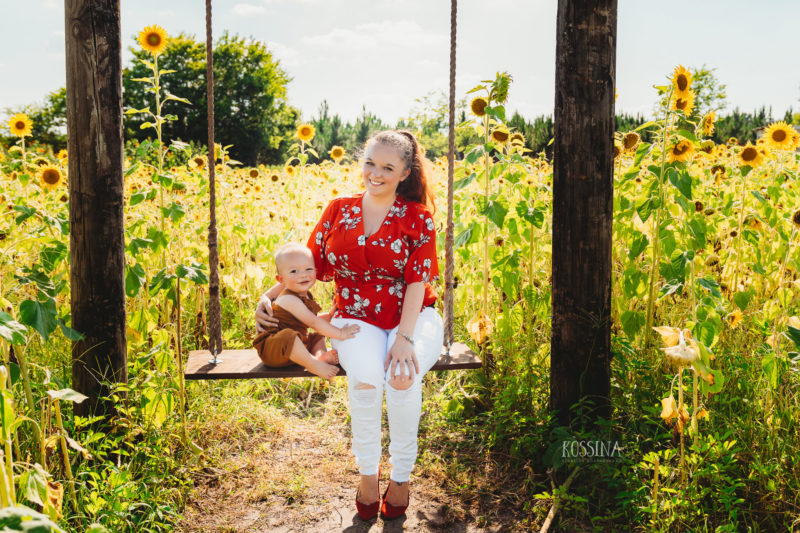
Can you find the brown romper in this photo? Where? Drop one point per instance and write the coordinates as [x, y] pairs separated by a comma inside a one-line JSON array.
[[275, 345]]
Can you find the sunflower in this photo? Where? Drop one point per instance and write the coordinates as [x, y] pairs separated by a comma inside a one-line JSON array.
[[681, 80], [500, 134], [336, 153], [631, 140], [780, 135], [253, 173], [733, 141], [707, 124], [618, 149], [274, 178], [707, 146], [681, 151], [198, 161], [684, 102], [478, 106], [20, 125], [50, 177], [153, 39], [289, 169], [796, 218], [62, 154], [305, 132], [735, 318], [517, 139], [750, 155]]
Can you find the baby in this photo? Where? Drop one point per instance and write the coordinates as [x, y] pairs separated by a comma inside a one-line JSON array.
[[296, 311]]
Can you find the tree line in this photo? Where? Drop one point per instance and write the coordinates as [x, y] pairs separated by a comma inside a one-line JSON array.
[[253, 115]]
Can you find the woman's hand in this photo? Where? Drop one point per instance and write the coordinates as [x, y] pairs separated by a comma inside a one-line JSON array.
[[264, 318], [402, 355]]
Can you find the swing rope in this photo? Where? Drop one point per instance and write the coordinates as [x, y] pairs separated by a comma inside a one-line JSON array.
[[214, 321], [451, 149]]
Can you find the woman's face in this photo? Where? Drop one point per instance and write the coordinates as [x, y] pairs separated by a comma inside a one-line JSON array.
[[382, 170]]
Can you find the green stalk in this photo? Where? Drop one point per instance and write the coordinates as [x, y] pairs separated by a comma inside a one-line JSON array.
[[65, 454], [777, 341], [485, 295], [5, 501], [657, 230], [735, 286], [26, 385], [680, 405], [8, 470]]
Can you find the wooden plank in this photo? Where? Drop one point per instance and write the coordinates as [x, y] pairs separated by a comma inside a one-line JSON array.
[[245, 364]]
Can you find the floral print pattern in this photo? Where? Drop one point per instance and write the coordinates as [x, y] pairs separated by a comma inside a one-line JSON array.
[[371, 273]]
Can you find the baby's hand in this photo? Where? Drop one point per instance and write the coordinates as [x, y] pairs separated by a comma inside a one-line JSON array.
[[348, 331]]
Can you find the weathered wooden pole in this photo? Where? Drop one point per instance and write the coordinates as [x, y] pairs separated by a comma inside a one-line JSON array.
[[583, 154], [97, 245]]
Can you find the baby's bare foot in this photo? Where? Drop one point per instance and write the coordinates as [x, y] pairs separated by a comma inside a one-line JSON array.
[[330, 357], [322, 369]]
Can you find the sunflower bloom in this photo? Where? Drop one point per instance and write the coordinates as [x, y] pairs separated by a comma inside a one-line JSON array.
[[500, 134], [708, 123], [684, 102], [153, 39], [50, 177], [478, 106], [253, 173], [618, 149], [336, 153], [20, 125], [681, 80], [750, 155], [681, 151], [289, 169], [780, 136], [517, 139], [631, 140], [305, 132], [796, 219], [735, 318]]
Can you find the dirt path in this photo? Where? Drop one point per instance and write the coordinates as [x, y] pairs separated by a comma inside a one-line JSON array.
[[299, 475]]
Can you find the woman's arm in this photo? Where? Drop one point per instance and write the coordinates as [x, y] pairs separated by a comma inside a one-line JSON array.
[[402, 350], [264, 318]]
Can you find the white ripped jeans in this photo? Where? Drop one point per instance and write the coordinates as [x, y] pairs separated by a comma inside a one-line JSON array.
[[363, 358]]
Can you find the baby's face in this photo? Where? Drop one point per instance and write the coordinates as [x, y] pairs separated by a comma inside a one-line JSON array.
[[297, 272]]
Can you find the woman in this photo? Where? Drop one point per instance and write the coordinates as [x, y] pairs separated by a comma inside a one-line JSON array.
[[379, 247]]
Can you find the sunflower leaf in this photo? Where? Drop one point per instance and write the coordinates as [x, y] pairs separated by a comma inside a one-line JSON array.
[[11, 330], [41, 316], [686, 134], [793, 334]]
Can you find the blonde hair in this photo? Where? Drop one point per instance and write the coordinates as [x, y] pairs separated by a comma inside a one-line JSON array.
[[288, 249]]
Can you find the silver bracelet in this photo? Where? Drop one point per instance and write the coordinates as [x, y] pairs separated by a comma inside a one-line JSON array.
[[406, 337]]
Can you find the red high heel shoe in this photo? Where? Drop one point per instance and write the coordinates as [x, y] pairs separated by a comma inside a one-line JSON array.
[[369, 511], [389, 511]]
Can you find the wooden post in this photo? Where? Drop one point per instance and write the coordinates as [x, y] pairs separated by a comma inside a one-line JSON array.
[[97, 245], [583, 206]]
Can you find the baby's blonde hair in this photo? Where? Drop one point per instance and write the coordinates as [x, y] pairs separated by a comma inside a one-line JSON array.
[[288, 249]]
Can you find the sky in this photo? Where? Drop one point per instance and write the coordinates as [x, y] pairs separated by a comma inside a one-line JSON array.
[[382, 55]]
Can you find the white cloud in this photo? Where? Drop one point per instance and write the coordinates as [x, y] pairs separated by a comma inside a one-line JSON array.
[[401, 33], [248, 10], [288, 56]]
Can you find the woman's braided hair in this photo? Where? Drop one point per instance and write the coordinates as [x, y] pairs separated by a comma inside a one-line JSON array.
[[415, 187]]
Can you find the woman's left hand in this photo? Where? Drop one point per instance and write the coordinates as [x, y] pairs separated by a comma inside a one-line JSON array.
[[402, 354]]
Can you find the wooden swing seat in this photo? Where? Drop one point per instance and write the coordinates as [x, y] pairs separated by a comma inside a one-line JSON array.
[[245, 364]]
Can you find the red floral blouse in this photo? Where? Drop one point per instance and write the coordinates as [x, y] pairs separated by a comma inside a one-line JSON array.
[[371, 273]]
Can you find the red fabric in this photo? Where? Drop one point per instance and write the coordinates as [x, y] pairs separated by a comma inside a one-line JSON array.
[[371, 274]]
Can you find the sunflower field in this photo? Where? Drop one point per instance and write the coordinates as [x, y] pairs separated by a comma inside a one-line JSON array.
[[706, 334]]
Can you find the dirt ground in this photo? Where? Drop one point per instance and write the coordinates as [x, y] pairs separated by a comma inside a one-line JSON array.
[[298, 475]]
